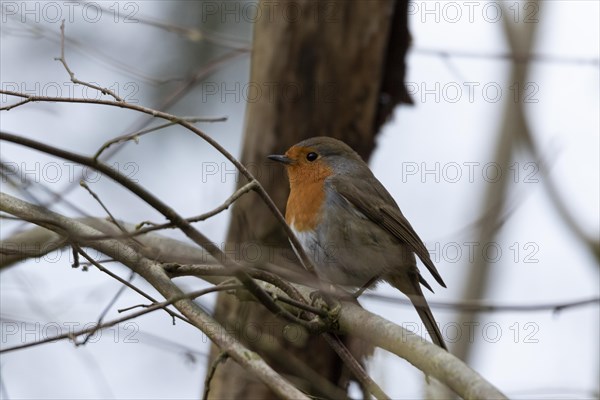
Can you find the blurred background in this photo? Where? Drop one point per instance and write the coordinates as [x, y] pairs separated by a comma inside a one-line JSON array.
[[437, 158]]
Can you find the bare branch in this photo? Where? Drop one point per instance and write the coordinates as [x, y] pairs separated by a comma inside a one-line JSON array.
[[14, 176], [483, 306], [192, 34], [126, 283], [12, 249], [110, 305], [84, 185], [136, 135], [513, 57], [76, 81], [99, 326], [174, 217], [11, 106], [156, 276], [213, 368], [427, 357], [304, 259], [252, 185], [361, 376], [137, 230]]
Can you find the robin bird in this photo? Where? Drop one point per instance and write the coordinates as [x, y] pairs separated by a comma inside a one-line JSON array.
[[351, 227]]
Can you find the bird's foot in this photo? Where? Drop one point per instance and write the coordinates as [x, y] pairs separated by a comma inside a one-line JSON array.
[[323, 300]]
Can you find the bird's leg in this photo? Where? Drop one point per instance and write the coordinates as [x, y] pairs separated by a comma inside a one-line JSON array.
[[364, 287]]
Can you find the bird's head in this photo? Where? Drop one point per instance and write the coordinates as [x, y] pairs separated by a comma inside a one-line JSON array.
[[317, 158]]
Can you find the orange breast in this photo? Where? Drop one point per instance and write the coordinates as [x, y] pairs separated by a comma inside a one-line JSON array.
[[307, 195], [304, 207]]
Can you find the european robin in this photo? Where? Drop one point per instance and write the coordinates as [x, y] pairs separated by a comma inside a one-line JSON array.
[[351, 227]]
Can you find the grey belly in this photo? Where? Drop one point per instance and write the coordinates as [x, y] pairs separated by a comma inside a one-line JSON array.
[[353, 253]]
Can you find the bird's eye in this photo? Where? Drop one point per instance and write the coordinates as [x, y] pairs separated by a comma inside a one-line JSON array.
[[312, 156]]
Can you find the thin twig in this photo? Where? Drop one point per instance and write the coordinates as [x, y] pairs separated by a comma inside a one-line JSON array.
[[3, 391], [178, 93], [192, 34], [110, 304], [76, 81], [252, 185], [333, 341], [84, 185], [302, 306], [357, 370], [126, 283], [557, 200], [156, 276], [303, 257], [481, 306], [155, 227], [294, 298], [76, 259], [8, 175], [428, 357], [95, 328], [122, 288], [467, 306], [141, 305], [136, 135], [222, 357], [11, 106], [516, 58], [191, 232]]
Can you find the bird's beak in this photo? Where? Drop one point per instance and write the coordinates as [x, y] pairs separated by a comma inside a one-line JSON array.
[[280, 158]]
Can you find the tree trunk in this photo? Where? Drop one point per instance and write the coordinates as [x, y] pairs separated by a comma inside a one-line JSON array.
[[318, 68]]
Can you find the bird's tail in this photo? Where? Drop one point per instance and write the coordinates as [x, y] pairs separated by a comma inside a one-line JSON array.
[[427, 317], [410, 287]]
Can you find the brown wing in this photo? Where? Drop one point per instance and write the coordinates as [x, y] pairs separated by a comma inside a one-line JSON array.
[[383, 210]]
